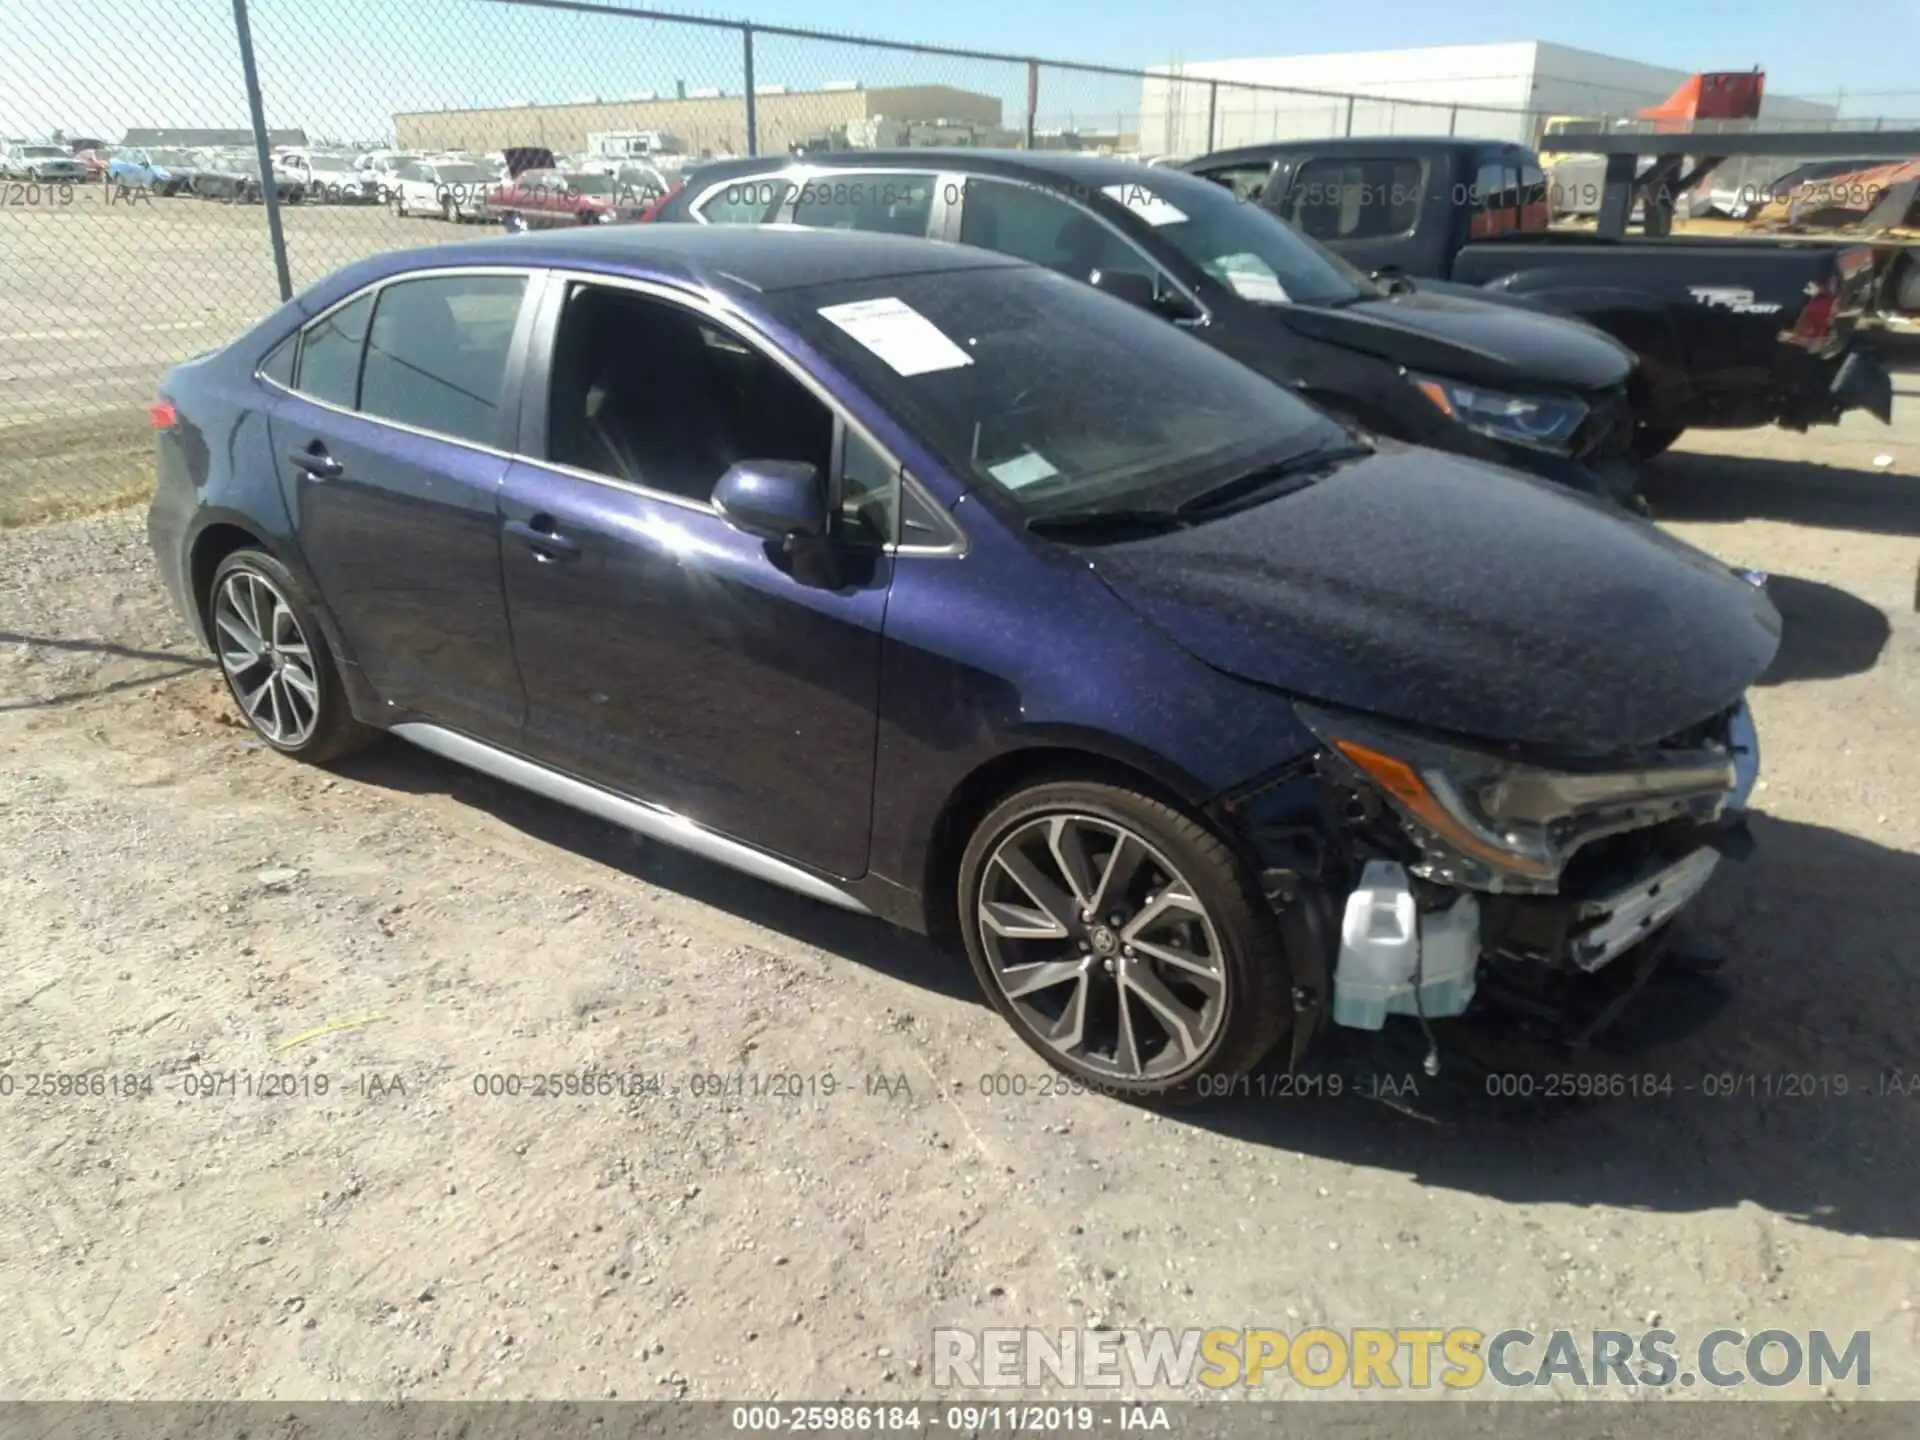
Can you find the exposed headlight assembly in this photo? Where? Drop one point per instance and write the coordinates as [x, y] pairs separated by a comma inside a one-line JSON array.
[[1490, 823], [1539, 422]]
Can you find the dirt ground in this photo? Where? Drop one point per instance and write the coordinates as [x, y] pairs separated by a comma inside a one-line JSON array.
[[184, 914]]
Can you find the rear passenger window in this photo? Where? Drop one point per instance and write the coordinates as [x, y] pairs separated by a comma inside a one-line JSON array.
[[888, 204], [278, 366], [1247, 182], [1536, 211], [330, 350], [1495, 200], [437, 353], [751, 201], [1359, 199]]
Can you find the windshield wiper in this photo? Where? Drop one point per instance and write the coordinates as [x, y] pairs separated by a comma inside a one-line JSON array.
[[1092, 521], [1270, 481]]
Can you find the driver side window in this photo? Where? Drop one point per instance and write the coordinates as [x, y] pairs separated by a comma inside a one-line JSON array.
[[659, 396], [1028, 222]]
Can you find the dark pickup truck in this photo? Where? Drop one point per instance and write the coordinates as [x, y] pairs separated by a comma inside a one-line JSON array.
[[1729, 334]]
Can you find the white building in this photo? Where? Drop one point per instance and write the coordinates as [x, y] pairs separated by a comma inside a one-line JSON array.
[[1496, 92]]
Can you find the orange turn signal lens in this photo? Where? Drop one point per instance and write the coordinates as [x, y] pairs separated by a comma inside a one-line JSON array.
[[1437, 393]]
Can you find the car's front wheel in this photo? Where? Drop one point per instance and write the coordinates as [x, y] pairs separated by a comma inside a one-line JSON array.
[[1119, 937], [276, 661]]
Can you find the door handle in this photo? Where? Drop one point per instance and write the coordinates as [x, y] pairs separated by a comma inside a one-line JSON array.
[[538, 535], [316, 462]]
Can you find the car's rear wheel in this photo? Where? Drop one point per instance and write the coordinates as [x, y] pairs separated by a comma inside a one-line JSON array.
[[1652, 440], [276, 661], [449, 211], [1121, 940]]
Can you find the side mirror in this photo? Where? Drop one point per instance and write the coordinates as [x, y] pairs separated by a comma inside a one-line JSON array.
[[1128, 285], [773, 499]]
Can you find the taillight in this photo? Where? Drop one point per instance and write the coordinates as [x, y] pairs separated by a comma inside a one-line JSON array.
[[653, 206], [163, 415], [1816, 320]]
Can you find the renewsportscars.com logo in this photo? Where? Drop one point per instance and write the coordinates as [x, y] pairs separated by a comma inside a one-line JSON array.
[[1399, 1358]]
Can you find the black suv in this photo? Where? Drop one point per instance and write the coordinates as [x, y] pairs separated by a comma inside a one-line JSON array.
[[1486, 378]]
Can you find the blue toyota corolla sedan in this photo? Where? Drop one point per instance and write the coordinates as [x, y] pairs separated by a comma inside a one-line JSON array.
[[932, 584]]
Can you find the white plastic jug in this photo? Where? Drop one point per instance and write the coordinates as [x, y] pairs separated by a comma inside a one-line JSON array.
[[1396, 961], [1379, 946]]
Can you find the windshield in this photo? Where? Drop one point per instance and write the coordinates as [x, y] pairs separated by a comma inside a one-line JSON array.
[[1048, 395], [44, 152], [583, 184], [332, 163], [169, 157], [1239, 243], [463, 174]]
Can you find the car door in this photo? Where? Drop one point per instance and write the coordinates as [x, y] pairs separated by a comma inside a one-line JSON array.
[[666, 655], [393, 436]]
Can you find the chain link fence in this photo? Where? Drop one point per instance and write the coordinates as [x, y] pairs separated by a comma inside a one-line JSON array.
[[169, 176]]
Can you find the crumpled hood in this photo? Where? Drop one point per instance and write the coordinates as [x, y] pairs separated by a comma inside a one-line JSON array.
[[1467, 338], [1439, 591]]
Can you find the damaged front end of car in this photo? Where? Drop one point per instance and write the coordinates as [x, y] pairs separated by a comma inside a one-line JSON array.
[[1416, 874]]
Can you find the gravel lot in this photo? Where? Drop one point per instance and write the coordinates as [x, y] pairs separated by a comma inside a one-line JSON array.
[[182, 904], [101, 291]]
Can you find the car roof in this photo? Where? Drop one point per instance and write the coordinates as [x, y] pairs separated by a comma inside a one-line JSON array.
[[737, 259], [1349, 145], [1086, 169]]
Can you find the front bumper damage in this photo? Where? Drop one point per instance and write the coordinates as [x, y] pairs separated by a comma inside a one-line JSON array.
[[1405, 929]]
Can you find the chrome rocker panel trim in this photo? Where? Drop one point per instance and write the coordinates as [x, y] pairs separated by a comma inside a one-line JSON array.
[[636, 815]]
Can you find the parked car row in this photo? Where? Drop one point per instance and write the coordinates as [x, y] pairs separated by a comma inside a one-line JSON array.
[[42, 164], [1092, 573]]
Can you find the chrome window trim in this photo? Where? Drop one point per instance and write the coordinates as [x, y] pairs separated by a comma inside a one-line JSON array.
[[516, 347], [742, 326]]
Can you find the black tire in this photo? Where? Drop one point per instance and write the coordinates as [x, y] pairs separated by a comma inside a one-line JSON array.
[[449, 211], [1652, 440], [1255, 1000], [334, 732]]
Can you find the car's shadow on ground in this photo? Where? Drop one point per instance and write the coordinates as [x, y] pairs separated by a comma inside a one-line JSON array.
[[1742, 1070], [1687, 486], [1826, 633], [396, 765]]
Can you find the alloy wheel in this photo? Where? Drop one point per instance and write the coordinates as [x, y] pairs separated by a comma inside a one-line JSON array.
[[1102, 947], [267, 659]]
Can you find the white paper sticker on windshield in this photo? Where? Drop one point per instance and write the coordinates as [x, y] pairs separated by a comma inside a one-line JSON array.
[[898, 334], [1144, 203], [1255, 285], [1022, 470]]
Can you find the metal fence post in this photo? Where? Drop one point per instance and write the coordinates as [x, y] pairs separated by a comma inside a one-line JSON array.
[[262, 151], [1033, 97], [753, 120], [1213, 109], [1349, 129]]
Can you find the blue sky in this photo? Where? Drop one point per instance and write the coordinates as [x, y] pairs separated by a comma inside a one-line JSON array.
[[342, 67]]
